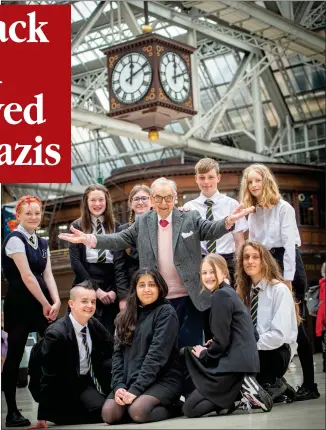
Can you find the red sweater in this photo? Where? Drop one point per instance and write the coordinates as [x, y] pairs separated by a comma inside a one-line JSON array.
[[321, 313]]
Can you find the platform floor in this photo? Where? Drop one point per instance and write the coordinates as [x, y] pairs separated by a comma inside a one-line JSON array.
[[299, 415]]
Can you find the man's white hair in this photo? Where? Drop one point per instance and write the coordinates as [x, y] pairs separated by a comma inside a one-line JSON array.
[[164, 181]]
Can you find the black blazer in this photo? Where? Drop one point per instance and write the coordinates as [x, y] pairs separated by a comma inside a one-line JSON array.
[[80, 266], [125, 265], [234, 347], [60, 365]]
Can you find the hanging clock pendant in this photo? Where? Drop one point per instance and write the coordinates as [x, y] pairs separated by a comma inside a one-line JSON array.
[[131, 78], [175, 77]]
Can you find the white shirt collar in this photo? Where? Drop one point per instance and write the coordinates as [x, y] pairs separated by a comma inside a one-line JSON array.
[[78, 327], [202, 199], [168, 219], [25, 232], [262, 284], [94, 219]]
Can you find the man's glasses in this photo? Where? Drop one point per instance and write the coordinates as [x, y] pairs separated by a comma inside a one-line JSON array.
[[159, 199], [138, 199]]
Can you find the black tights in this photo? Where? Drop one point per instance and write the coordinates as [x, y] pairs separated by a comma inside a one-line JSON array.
[[306, 357], [144, 409], [17, 337], [196, 405]]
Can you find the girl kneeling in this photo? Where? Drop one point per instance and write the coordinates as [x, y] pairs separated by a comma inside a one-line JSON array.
[[218, 370], [146, 369]]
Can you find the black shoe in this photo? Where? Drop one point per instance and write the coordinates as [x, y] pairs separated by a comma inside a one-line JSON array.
[[277, 389], [17, 420], [305, 393], [255, 394]]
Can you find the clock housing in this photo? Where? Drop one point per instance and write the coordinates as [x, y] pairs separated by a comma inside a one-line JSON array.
[[151, 105]]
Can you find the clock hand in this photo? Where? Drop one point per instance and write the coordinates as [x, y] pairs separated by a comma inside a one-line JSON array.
[[175, 70], [134, 74], [131, 67], [180, 74]]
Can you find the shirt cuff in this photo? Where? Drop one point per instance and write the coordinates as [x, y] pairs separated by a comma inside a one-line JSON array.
[[288, 276], [91, 241]]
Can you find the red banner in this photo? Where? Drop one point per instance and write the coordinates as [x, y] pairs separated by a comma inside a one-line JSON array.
[[35, 93]]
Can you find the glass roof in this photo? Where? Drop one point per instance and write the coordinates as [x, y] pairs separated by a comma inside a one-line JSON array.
[[96, 153]]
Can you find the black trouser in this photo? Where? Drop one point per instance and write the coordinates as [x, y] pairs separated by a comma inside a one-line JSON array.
[[103, 275], [273, 364], [190, 322], [229, 258], [87, 410], [17, 338], [299, 285]]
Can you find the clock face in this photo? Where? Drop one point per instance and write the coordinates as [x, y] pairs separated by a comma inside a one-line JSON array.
[[131, 78], [175, 77]]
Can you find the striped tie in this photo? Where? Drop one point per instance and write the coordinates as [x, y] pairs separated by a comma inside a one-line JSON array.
[[254, 306], [89, 360], [210, 244], [101, 253], [31, 239]]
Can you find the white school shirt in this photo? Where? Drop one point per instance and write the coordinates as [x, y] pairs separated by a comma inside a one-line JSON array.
[[276, 228], [223, 207], [83, 363], [92, 254], [276, 318], [15, 244]]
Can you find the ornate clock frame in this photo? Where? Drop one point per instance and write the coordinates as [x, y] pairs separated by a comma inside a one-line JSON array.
[[155, 110]]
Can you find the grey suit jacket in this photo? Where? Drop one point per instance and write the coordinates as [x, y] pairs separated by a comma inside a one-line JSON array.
[[187, 251]]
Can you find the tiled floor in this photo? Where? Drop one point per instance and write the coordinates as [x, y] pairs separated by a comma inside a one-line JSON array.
[[299, 415]]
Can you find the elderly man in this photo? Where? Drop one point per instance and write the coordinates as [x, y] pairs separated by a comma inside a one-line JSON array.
[[169, 241]]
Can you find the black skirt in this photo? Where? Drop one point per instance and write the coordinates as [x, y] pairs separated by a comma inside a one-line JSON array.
[[221, 389], [166, 395]]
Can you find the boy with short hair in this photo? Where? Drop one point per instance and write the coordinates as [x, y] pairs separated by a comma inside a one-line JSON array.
[[214, 206], [76, 356]]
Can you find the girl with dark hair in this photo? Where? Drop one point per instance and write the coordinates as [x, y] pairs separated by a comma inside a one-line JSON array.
[[96, 264], [222, 370], [274, 314], [126, 262], [146, 369], [274, 225], [32, 300]]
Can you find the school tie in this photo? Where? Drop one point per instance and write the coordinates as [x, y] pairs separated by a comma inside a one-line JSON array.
[[101, 253], [89, 359], [254, 306], [210, 244], [31, 239]]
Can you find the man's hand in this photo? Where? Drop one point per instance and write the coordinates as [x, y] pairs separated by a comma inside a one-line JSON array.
[[40, 424], [237, 213], [77, 236], [129, 398], [103, 296], [196, 350], [55, 308], [118, 396]]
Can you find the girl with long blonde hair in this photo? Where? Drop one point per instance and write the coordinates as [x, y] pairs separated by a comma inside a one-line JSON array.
[[224, 367], [274, 314], [274, 225]]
